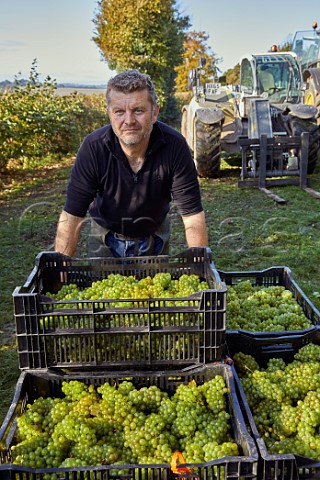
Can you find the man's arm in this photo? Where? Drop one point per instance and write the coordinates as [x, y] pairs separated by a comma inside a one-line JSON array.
[[68, 233], [196, 231]]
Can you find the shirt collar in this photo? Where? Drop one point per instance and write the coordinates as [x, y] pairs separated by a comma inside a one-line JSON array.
[[156, 139]]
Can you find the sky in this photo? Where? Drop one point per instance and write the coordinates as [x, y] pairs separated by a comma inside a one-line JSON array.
[[58, 33]]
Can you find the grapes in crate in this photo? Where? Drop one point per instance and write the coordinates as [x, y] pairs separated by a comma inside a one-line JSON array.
[[109, 424], [263, 309]]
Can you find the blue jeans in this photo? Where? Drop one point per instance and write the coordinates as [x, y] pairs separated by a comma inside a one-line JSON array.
[[132, 248]]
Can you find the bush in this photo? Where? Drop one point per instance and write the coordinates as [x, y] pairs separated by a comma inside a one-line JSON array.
[[94, 113], [35, 122]]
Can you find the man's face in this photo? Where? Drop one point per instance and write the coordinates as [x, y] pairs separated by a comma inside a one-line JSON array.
[[131, 116]]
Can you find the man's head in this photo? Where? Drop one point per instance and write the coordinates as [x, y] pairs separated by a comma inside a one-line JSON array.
[[132, 81], [132, 108]]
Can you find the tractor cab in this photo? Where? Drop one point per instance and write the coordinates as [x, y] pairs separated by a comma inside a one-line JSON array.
[[275, 76], [306, 44]]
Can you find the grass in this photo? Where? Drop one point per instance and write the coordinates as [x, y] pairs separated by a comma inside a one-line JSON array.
[[247, 231]]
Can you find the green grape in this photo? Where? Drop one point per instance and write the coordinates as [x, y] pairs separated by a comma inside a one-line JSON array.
[[214, 392], [127, 292], [245, 363], [309, 352], [266, 388], [259, 308], [212, 450], [118, 425], [74, 390], [285, 403], [275, 364], [193, 453], [189, 393]]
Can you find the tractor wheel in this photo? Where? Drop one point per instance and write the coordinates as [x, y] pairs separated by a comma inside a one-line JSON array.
[[207, 148], [312, 97], [299, 126]]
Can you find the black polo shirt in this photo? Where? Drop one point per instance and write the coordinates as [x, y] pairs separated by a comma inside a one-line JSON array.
[[133, 204]]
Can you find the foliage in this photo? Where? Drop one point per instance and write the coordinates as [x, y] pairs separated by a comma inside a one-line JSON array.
[[146, 35], [194, 47], [35, 122], [93, 113], [233, 75], [285, 47]]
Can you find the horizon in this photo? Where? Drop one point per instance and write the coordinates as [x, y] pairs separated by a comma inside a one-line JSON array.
[[67, 84]]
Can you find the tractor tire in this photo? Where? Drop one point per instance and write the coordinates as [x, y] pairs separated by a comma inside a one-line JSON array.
[[312, 97], [207, 148], [299, 126]]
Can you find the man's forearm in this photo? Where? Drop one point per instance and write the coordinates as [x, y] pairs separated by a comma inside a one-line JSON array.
[[68, 233], [196, 231]]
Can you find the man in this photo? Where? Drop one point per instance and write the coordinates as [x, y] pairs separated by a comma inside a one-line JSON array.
[[126, 175]]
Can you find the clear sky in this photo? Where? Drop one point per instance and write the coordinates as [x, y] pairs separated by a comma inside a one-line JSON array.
[[58, 33]]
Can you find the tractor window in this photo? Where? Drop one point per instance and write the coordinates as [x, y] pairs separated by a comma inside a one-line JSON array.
[[306, 45], [278, 77], [246, 80], [312, 54], [266, 78]]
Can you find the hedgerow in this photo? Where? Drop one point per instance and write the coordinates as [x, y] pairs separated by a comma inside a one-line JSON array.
[[36, 122]]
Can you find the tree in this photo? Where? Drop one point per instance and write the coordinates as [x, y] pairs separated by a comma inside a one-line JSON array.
[[195, 46], [285, 47], [233, 75], [146, 35]]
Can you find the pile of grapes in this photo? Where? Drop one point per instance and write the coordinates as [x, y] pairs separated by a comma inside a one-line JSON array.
[[285, 400], [125, 302], [263, 309], [107, 425], [120, 287]]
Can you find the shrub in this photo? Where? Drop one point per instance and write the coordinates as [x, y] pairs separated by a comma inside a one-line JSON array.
[[35, 122]]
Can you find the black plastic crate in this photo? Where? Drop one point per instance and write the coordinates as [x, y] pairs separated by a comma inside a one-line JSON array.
[[35, 383], [273, 276], [164, 332], [276, 466]]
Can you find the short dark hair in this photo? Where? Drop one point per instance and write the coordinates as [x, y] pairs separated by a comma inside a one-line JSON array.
[[131, 81]]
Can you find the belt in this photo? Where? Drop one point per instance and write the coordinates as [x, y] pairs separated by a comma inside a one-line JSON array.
[[149, 238], [124, 238]]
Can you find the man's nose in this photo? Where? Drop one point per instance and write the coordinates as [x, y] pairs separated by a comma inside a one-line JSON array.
[[129, 117]]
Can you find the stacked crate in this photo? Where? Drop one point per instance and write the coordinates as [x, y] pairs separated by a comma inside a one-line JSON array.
[[150, 342], [264, 346]]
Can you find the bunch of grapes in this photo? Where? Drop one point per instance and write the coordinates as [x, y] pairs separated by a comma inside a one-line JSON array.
[[285, 401], [263, 309], [117, 286], [214, 391], [127, 291], [122, 424]]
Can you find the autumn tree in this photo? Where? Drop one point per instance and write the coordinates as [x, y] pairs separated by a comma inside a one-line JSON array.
[[146, 35], [285, 47], [195, 46], [233, 75]]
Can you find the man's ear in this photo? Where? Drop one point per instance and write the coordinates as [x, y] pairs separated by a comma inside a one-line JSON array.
[[156, 113]]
